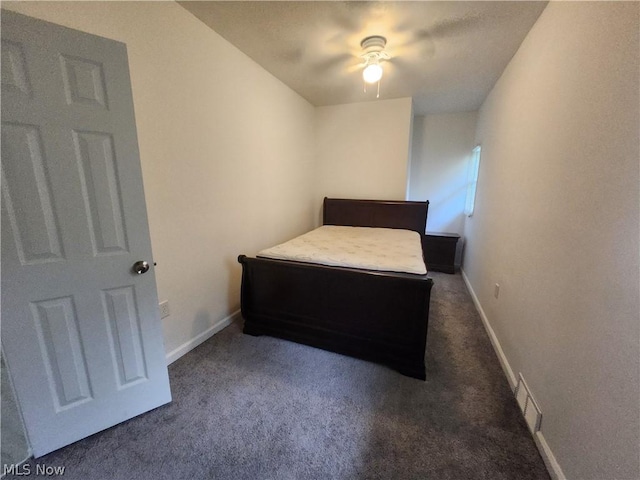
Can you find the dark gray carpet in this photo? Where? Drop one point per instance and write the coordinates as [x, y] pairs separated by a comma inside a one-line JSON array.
[[261, 408]]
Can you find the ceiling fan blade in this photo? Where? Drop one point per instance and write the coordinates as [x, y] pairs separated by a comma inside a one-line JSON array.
[[420, 46], [337, 61], [350, 15], [454, 26], [292, 55], [429, 36], [356, 67]]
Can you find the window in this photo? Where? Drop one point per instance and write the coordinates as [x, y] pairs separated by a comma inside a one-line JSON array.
[[472, 181]]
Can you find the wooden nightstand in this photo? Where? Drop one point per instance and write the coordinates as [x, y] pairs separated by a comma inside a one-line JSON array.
[[440, 251]]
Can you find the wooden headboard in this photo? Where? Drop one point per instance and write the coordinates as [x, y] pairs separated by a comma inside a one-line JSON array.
[[376, 213]]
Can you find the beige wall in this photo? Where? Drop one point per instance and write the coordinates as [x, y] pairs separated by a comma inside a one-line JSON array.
[[556, 225], [363, 150], [226, 152]]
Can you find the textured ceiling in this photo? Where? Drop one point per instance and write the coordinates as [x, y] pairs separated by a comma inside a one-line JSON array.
[[445, 54]]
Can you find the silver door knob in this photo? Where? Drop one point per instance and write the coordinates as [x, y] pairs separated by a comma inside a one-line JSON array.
[[140, 267]]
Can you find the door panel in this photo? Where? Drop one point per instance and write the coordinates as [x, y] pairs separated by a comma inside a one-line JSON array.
[[80, 331], [60, 345], [35, 229], [100, 189], [14, 71], [124, 335], [84, 81]]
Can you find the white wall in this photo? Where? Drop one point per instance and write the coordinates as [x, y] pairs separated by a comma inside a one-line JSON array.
[[226, 152], [363, 150], [441, 150], [556, 224]]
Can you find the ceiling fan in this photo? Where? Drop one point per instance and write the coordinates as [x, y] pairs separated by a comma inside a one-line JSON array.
[[376, 39], [373, 55]]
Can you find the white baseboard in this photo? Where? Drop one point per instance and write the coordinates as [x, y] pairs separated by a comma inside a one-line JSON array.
[[186, 347], [543, 447], [513, 381], [548, 457]]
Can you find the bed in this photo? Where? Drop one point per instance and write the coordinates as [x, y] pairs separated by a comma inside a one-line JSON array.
[[380, 316]]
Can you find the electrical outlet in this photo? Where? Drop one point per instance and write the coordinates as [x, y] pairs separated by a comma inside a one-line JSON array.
[[496, 290], [164, 309]]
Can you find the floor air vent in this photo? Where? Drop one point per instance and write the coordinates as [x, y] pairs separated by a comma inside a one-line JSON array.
[[528, 405]]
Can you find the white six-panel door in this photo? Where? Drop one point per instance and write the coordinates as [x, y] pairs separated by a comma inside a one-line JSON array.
[[81, 330]]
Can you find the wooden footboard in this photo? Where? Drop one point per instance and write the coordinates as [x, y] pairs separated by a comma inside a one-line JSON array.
[[376, 316]]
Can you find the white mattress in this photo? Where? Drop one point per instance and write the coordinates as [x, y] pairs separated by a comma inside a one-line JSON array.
[[380, 249]]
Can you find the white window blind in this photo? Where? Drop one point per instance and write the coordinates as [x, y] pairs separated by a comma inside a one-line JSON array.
[[472, 181]]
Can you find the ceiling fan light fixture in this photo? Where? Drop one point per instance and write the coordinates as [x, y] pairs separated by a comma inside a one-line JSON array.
[[373, 43], [372, 73], [373, 54]]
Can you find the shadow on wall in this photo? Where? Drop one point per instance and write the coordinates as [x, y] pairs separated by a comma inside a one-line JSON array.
[[235, 279], [13, 439], [203, 321], [447, 216], [442, 145]]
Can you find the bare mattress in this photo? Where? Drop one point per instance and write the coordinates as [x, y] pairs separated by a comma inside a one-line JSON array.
[[379, 249]]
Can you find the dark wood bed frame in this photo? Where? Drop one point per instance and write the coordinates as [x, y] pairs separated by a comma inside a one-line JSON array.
[[376, 316]]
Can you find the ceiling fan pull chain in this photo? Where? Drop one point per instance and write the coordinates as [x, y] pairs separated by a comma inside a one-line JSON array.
[[378, 95]]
